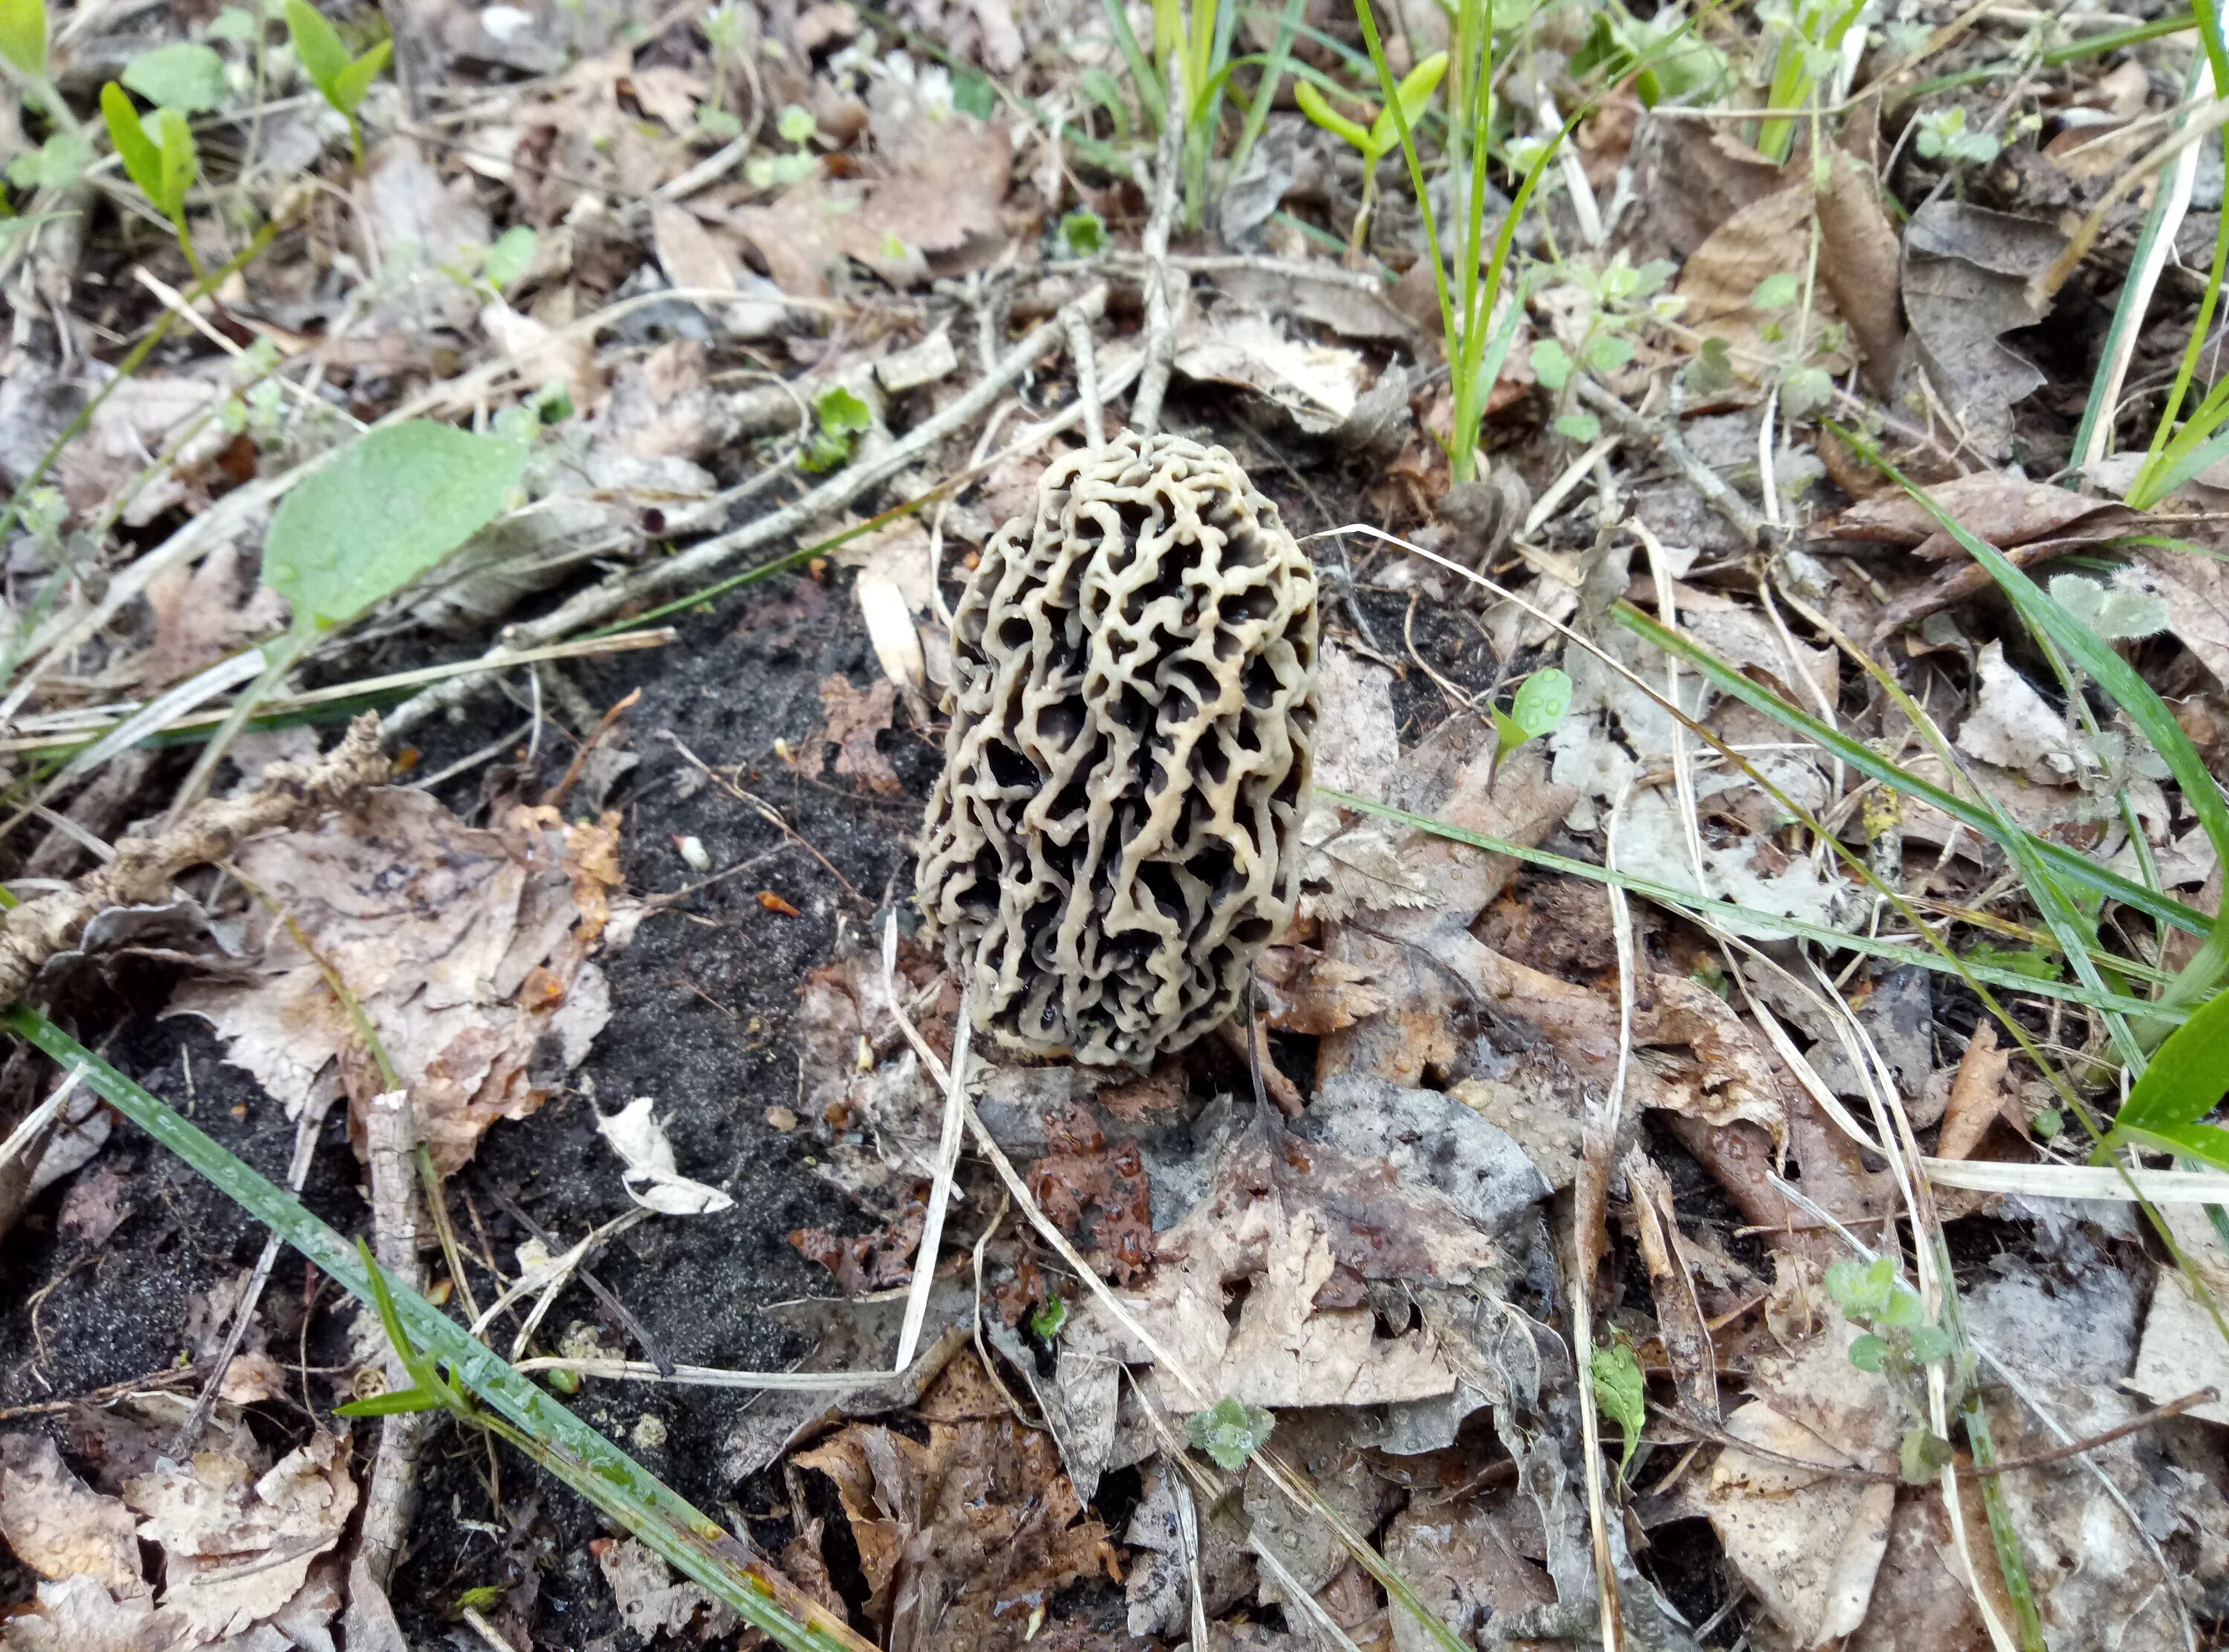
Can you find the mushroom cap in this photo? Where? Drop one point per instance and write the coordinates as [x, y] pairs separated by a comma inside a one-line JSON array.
[[1116, 833]]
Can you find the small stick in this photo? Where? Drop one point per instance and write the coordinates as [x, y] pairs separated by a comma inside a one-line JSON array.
[[1087, 379], [1161, 320], [390, 1139], [1665, 434], [603, 1293]]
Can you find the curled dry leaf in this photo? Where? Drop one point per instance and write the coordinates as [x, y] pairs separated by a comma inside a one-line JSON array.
[[467, 949], [1966, 273], [58, 1526], [854, 719], [653, 1178], [1083, 1177], [868, 1261], [1718, 281], [651, 1599]]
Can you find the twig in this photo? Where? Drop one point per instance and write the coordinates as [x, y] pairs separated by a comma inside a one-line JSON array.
[[291, 795], [1665, 434], [1086, 379], [1161, 320], [603, 1292], [390, 1131], [603, 601]]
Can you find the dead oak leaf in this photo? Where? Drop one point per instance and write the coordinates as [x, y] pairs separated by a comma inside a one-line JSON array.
[[952, 1533], [465, 948], [874, 1261], [1966, 273], [854, 719], [1721, 276], [2007, 511], [201, 616], [935, 211], [237, 1547], [58, 1525]]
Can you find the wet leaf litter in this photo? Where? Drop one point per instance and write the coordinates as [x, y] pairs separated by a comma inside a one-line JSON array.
[[1605, 1164]]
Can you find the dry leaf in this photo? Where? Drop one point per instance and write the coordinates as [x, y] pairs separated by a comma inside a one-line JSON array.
[[77, 1615], [466, 948], [200, 616], [653, 1179], [854, 719], [1720, 276], [237, 1548], [2182, 1349], [651, 1599], [1858, 259], [58, 1526], [1966, 275], [1317, 384], [935, 211], [2197, 590], [1465, 1564], [1978, 1094]]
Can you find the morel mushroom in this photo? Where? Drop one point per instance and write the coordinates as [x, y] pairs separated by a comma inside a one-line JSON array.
[[1116, 833]]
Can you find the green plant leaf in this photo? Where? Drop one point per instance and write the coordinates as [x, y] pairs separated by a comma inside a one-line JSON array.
[[796, 124], [181, 161], [480, 1598], [1046, 1322], [1609, 352], [1318, 108], [508, 258], [1542, 701], [23, 35], [1082, 234], [1551, 365], [184, 75], [1930, 1343], [1867, 1352], [1776, 291], [1579, 427], [1413, 93], [1924, 1455], [319, 47], [1230, 1431], [143, 160], [842, 413], [2188, 1076], [381, 512], [395, 1404], [349, 85], [1903, 1310], [1619, 1391], [234, 23]]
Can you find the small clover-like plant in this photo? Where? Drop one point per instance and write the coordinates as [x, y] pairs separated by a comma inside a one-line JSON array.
[[1082, 234], [1230, 1431], [1779, 298], [1898, 1344], [184, 75], [728, 29], [796, 126], [158, 155], [1942, 136], [1614, 304], [1620, 1393], [342, 77], [838, 415], [1376, 140], [1542, 700], [1045, 1324], [2121, 611]]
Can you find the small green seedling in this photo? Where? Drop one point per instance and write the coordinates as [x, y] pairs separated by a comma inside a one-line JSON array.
[[480, 1599], [1045, 1324], [236, 24], [1616, 301], [1898, 1344], [838, 415], [342, 78], [1803, 387], [2184, 1082], [1082, 234], [23, 35], [509, 258], [1542, 701], [2122, 611], [1376, 140], [184, 75], [158, 155], [1230, 1431], [1942, 136], [727, 30], [429, 1390], [1620, 1392], [796, 126]]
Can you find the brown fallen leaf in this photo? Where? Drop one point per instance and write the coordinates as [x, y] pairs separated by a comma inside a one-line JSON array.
[[1721, 276], [1858, 254], [874, 1261], [1679, 1312], [200, 616], [854, 719], [1967, 271], [238, 1545], [934, 210], [1084, 1178], [1307, 993], [953, 1532], [466, 948], [1695, 176], [1466, 1564], [2005, 510], [61, 1528], [651, 1599], [1978, 1094]]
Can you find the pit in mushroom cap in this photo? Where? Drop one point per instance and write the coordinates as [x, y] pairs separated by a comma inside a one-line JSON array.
[[1116, 833]]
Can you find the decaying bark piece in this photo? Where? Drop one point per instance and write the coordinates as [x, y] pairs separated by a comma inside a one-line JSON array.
[[292, 794], [1116, 833]]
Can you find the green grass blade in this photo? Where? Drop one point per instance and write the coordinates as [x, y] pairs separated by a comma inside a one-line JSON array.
[[2064, 862], [2188, 1078], [2136, 698], [603, 1474], [1687, 901], [1151, 91]]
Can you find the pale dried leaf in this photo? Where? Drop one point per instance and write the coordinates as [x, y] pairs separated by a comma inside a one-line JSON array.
[[58, 1525], [652, 1177]]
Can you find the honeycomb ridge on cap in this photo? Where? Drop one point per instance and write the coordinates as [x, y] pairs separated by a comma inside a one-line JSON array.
[[1116, 833]]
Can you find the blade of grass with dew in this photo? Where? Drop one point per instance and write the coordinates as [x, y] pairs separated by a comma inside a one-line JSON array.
[[1705, 911], [2064, 861], [2135, 698], [591, 1465]]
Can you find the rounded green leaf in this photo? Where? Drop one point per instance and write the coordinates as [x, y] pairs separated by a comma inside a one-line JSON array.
[[184, 75], [1550, 364], [23, 35], [1868, 1352], [1230, 1431], [389, 508], [508, 258], [1542, 701], [319, 45], [1930, 1343]]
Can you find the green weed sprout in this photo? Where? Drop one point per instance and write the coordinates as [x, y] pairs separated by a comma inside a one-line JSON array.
[[56, 165], [1542, 701], [162, 161], [1942, 135], [1619, 1390], [1898, 1344], [1402, 110], [1808, 51], [342, 78], [839, 416], [796, 126], [727, 30], [1230, 1431]]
